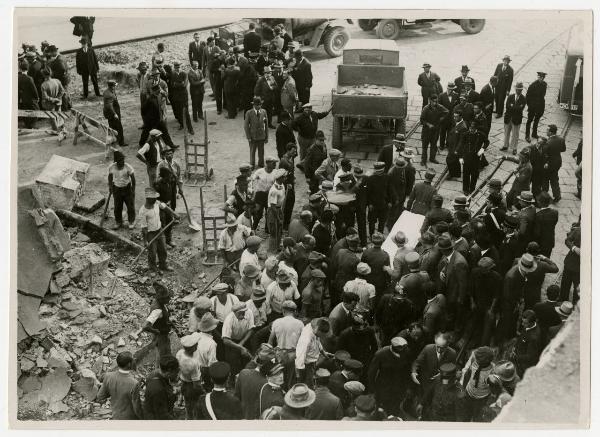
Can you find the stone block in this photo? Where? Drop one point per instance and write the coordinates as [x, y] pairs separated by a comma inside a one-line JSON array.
[[90, 201], [61, 182], [85, 260]]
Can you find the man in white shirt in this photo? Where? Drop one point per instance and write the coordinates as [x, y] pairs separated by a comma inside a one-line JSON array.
[[250, 255], [237, 330], [207, 347], [280, 291], [149, 217], [222, 301], [345, 168], [121, 183], [262, 180], [232, 240], [309, 349], [189, 373], [360, 286], [285, 333]]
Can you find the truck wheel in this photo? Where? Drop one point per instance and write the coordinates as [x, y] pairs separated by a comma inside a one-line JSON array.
[[336, 135], [472, 26], [388, 29], [367, 25], [335, 40]]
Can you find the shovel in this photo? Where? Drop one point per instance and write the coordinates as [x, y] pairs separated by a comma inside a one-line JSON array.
[[104, 214], [191, 222]]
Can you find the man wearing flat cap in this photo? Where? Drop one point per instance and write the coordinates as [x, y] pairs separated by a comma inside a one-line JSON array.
[[307, 125], [536, 102], [428, 81], [112, 110], [329, 167], [504, 72]]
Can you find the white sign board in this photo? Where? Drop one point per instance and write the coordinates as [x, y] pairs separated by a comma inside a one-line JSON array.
[[410, 224]]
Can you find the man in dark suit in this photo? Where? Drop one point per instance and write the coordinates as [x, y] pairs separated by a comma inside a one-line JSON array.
[[284, 134], [436, 214], [351, 370], [432, 117], [572, 265], [528, 346], [455, 137], [427, 365], [390, 152], [434, 313], [86, 64], [469, 90], [536, 158], [504, 73], [27, 93], [257, 131], [112, 110], [448, 100], [303, 76], [464, 77], [513, 118], [220, 403], [469, 154], [252, 40], [553, 161], [487, 97], [327, 406], [427, 81], [546, 219], [340, 317], [465, 108], [196, 50], [536, 102], [546, 313], [419, 201], [452, 280], [179, 97]]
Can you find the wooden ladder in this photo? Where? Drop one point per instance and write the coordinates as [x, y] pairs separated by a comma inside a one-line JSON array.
[[196, 157], [213, 222]]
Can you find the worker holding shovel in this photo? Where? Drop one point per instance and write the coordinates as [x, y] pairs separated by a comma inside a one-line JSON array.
[[149, 217]]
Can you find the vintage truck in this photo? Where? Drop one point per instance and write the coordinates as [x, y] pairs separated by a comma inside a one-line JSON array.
[[391, 28], [370, 98], [312, 32]]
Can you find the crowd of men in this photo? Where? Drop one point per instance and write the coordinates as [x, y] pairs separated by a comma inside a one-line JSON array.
[[330, 326]]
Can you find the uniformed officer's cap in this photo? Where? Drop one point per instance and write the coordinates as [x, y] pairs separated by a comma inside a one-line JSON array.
[[412, 259], [352, 364], [377, 238], [318, 273], [379, 165], [429, 175], [219, 370]]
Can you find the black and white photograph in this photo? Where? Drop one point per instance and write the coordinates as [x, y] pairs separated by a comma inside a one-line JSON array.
[[226, 216]]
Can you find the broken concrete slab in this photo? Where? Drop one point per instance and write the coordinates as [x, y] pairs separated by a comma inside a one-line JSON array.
[[54, 288], [30, 383], [28, 307], [123, 272], [90, 201], [81, 238], [58, 359], [62, 279], [86, 260], [61, 182], [55, 386], [54, 237], [87, 385]]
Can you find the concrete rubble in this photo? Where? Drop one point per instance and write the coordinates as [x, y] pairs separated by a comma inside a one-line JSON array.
[[61, 182]]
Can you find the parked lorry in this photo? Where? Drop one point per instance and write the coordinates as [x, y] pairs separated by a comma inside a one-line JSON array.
[[370, 98], [391, 28], [312, 32]]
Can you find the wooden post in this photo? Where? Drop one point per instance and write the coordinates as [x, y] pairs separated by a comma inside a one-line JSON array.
[[76, 129], [206, 173]]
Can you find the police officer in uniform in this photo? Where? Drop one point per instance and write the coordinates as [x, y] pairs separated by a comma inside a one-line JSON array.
[[535, 97], [112, 110]]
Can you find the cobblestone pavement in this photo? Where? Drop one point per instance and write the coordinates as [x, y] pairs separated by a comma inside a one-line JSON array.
[[532, 44]]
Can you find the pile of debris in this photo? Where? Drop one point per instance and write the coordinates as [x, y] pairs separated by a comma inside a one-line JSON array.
[[90, 314]]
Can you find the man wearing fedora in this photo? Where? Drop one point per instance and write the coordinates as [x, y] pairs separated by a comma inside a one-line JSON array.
[[536, 95], [86, 63], [402, 180], [427, 81], [546, 219], [448, 99], [298, 398], [504, 72], [433, 116], [454, 140], [564, 311], [112, 111], [179, 97], [266, 88], [510, 304], [302, 73], [551, 152], [523, 174], [390, 152], [513, 118], [149, 217], [460, 80], [419, 200], [453, 274], [526, 217], [257, 131]]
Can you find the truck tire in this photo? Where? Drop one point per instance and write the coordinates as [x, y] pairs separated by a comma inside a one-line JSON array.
[[367, 25], [336, 134], [388, 29], [335, 40], [472, 26]]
